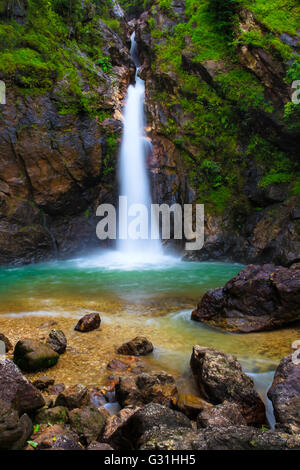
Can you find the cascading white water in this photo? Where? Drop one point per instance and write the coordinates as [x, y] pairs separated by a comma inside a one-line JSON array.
[[133, 174]]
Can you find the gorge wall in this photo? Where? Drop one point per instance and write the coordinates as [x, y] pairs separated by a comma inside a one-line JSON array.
[[220, 118]]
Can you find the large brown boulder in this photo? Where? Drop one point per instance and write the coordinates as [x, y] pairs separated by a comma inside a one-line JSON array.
[[31, 355], [258, 298], [16, 390], [138, 346], [144, 388], [14, 430], [285, 394], [220, 377]]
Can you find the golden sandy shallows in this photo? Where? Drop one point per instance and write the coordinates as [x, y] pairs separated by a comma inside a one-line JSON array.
[[87, 354]]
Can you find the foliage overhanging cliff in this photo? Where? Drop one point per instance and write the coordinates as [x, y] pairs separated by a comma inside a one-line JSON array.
[[225, 132]]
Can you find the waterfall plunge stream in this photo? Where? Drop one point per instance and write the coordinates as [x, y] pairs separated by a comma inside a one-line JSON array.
[[134, 182]]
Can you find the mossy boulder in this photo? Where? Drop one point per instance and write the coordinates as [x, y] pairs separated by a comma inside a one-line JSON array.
[[56, 415], [31, 355], [88, 423]]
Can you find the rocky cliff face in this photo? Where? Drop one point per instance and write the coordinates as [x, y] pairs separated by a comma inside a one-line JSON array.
[[220, 118], [57, 164], [237, 158]]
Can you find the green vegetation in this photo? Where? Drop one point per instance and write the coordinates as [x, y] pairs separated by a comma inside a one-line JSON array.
[[59, 42], [217, 120]]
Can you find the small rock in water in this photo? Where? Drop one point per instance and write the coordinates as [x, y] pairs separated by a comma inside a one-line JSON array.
[[138, 346], [57, 341], [43, 382], [8, 345], [31, 355], [88, 323], [115, 364], [57, 388]]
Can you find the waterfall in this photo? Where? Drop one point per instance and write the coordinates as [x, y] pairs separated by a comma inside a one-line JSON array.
[[134, 182]]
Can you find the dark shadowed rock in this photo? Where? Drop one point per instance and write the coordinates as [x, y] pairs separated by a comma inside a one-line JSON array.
[[57, 341], [43, 383], [88, 323], [31, 355], [88, 423], [114, 422], [144, 388], [258, 298], [14, 431], [285, 395], [99, 446], [226, 414], [220, 377], [138, 346], [191, 405], [8, 345], [57, 438], [217, 438], [72, 397], [16, 390], [56, 415], [150, 416]]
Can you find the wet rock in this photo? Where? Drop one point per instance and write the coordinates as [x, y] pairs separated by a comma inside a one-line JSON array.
[[43, 383], [57, 388], [138, 346], [226, 414], [56, 415], [285, 395], [220, 377], [99, 446], [96, 397], [16, 390], [116, 364], [114, 422], [191, 405], [217, 438], [31, 355], [145, 388], [72, 397], [88, 323], [14, 430], [258, 298], [57, 341], [88, 423], [150, 416], [57, 438], [8, 345]]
